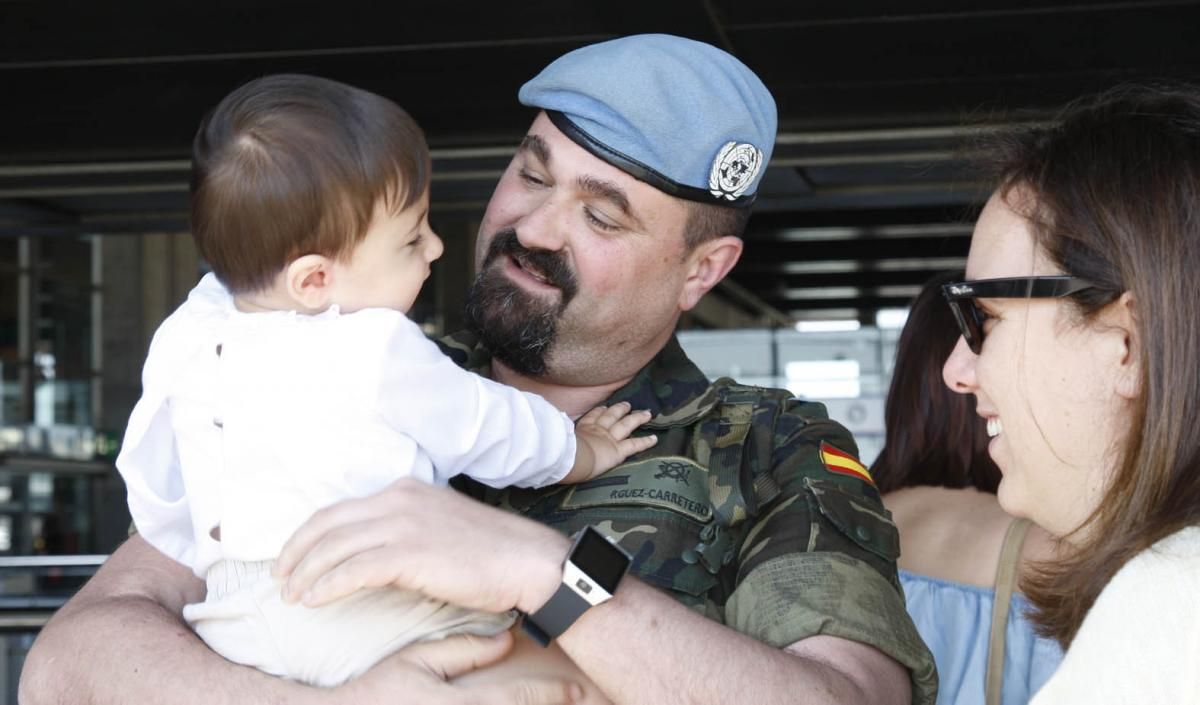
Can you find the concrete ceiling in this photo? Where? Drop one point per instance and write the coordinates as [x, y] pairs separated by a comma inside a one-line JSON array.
[[869, 193]]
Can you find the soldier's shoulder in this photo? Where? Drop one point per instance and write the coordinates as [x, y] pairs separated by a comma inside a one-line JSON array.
[[732, 392], [806, 442], [793, 422], [809, 419]]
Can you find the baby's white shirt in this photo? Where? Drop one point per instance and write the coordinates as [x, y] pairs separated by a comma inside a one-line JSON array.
[[296, 412]]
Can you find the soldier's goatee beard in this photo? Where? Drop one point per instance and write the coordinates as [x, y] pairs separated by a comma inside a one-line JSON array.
[[517, 327]]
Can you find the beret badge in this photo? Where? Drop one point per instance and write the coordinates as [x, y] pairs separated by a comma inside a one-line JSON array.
[[734, 169]]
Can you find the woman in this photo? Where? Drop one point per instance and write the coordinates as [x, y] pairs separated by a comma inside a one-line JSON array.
[[1081, 343], [940, 486]]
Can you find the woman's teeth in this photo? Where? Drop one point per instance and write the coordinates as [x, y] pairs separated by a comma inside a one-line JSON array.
[[994, 427]]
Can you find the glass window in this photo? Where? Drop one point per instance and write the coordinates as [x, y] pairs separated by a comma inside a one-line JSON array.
[[10, 353], [62, 337], [824, 379]]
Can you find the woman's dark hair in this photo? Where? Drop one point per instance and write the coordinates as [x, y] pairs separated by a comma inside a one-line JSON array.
[[289, 165], [1112, 193], [934, 436]]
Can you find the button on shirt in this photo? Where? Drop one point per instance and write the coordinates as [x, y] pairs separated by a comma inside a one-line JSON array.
[[253, 421]]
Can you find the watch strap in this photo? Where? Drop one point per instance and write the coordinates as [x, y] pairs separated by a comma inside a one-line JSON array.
[[564, 607]]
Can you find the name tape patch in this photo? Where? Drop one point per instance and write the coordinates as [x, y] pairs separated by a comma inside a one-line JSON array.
[[672, 482]]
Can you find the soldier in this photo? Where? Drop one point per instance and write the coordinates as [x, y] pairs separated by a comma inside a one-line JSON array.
[[750, 518]]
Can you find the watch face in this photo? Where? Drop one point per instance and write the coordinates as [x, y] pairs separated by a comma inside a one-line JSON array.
[[600, 559]]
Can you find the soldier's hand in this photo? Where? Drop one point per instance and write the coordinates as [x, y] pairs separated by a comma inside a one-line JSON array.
[[430, 539], [421, 673], [605, 431]]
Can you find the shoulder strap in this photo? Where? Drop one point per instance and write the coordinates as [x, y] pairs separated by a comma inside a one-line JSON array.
[[1006, 581]]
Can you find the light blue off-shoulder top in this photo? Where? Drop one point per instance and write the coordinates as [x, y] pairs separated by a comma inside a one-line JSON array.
[[955, 620]]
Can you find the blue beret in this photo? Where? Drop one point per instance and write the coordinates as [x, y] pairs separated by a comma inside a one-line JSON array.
[[681, 115]]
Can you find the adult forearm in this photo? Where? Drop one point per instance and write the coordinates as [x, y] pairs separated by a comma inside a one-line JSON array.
[[641, 647], [120, 640], [156, 659], [680, 656]]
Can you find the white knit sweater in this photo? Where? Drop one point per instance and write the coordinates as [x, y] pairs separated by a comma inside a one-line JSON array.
[[1140, 643]]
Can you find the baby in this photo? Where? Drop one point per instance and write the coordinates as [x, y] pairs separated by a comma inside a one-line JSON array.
[[291, 378]]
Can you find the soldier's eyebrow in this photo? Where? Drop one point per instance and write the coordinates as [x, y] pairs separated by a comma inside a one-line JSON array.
[[610, 192], [537, 147]]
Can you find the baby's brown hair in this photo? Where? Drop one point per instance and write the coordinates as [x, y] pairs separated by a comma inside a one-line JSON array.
[[289, 165]]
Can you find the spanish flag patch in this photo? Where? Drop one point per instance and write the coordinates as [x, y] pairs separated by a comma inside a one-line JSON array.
[[843, 463]]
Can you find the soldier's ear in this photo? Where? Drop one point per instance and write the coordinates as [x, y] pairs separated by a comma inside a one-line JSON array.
[[707, 264]]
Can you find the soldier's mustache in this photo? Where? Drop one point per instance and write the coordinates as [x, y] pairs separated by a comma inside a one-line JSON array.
[[549, 266]]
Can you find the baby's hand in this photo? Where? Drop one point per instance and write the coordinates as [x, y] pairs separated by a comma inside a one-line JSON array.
[[603, 434]]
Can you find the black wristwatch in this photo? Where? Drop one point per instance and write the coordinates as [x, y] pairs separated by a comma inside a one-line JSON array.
[[591, 573]]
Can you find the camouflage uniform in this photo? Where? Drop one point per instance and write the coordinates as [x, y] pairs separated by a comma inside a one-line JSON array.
[[734, 513]]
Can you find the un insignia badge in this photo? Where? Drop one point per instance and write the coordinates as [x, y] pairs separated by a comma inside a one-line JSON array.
[[734, 170], [674, 470]]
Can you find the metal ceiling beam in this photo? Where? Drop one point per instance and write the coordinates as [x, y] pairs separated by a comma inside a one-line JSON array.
[[859, 250], [802, 267], [866, 279], [856, 304], [193, 58], [763, 223], [979, 14]]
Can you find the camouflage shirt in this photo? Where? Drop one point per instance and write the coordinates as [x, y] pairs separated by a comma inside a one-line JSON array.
[[796, 550]]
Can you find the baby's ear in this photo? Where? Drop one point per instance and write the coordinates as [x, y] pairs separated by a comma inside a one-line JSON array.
[[309, 281]]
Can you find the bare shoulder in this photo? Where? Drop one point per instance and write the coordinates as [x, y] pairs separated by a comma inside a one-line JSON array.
[[950, 534]]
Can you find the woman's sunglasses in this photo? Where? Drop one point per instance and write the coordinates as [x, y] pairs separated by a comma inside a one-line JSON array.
[[961, 297]]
